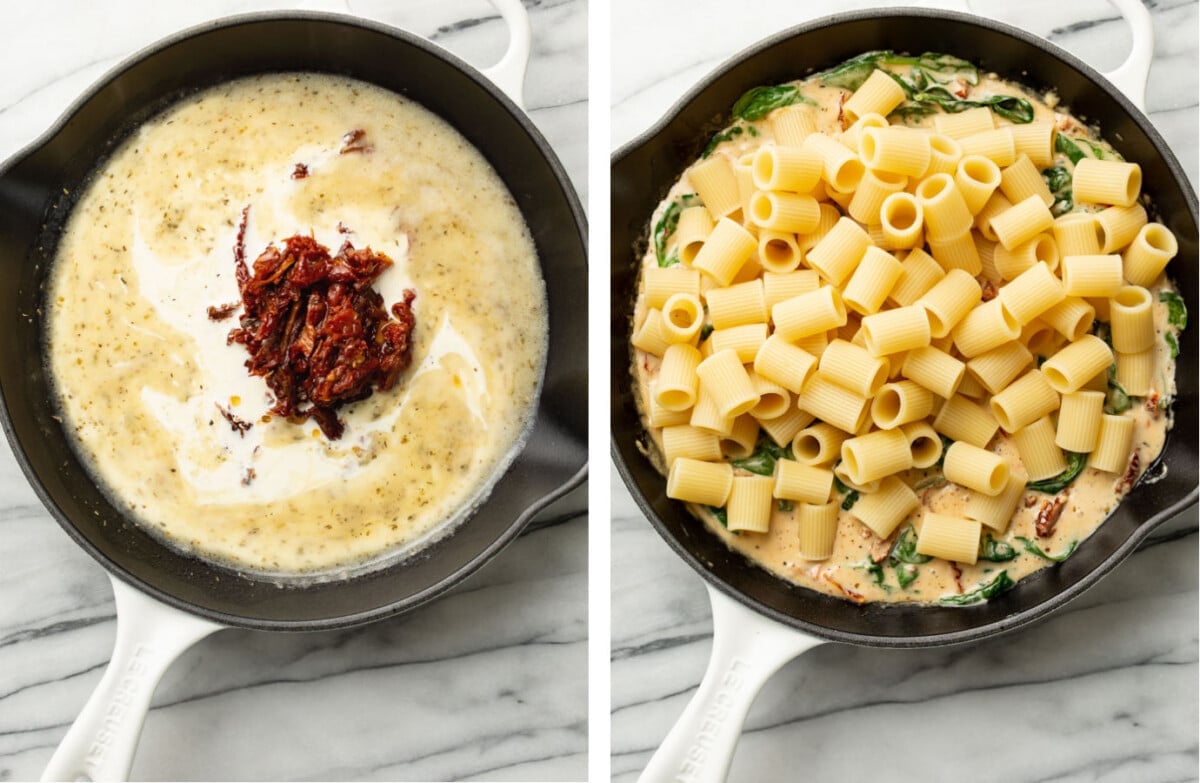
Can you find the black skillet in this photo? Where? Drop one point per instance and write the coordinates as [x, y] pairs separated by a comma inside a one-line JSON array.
[[642, 172], [33, 209]]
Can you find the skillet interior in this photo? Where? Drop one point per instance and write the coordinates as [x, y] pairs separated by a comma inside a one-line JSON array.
[[33, 210], [644, 170]]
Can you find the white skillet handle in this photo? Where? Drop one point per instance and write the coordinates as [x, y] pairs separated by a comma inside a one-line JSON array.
[[1130, 76], [509, 73], [747, 649], [150, 635]]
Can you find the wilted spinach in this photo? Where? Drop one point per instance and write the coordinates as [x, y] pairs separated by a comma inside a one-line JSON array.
[[877, 574], [996, 551], [721, 515], [904, 557], [850, 495], [1116, 400], [1058, 179], [1069, 148], [905, 548], [758, 102], [933, 68], [1176, 309], [999, 584], [906, 574], [1033, 548], [762, 461], [1076, 462], [728, 134], [1172, 344], [668, 223], [923, 84]]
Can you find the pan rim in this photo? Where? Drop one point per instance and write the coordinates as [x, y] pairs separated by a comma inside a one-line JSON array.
[[565, 192], [1014, 620]]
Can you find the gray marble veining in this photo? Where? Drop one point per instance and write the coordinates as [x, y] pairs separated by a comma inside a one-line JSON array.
[[1103, 690], [488, 683]]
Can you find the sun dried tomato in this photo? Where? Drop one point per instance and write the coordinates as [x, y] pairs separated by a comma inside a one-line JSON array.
[[317, 330], [355, 141]]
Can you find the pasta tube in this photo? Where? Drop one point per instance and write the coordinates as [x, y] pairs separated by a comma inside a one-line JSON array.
[[694, 481], [950, 538], [883, 510]]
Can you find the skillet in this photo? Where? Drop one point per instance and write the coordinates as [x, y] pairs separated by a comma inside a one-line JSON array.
[[747, 648], [166, 599]]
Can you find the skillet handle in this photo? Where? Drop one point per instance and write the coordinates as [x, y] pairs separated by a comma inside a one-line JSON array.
[[1130, 76], [747, 649], [150, 635], [509, 73]]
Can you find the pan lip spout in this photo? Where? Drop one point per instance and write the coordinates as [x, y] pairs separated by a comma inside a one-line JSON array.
[[551, 462], [665, 145]]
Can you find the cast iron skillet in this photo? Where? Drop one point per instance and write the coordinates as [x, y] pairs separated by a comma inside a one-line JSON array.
[[642, 172], [33, 210]]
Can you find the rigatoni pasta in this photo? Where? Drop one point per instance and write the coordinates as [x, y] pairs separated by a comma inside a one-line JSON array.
[[885, 508], [889, 292], [728, 384]]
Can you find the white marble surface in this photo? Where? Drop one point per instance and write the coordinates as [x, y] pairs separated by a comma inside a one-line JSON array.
[[488, 683], [1105, 690]]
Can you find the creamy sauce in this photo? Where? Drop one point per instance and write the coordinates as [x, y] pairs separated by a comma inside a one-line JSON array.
[[1089, 499], [140, 367]]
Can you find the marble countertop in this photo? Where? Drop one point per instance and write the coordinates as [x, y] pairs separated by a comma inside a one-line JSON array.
[[488, 683], [1105, 689]]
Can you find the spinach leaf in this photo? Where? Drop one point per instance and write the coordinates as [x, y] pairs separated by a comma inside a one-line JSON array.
[[928, 68], [1076, 462], [906, 574], [1010, 107], [663, 229], [851, 74], [762, 461], [905, 549], [876, 572], [786, 505], [996, 551], [1059, 181], [1104, 332], [946, 444], [1117, 400], [1068, 147], [728, 134], [1172, 343], [936, 480], [705, 331], [998, 585], [1033, 548], [1057, 178], [721, 515], [923, 84], [851, 495], [948, 66], [1099, 152], [758, 102], [1176, 309], [668, 223], [910, 112]]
